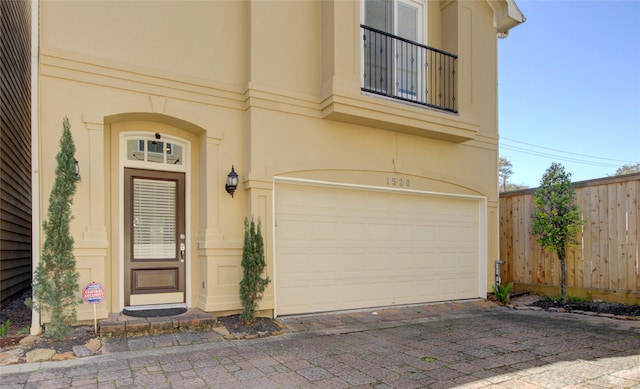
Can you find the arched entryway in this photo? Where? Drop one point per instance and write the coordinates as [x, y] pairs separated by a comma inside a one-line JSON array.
[[153, 245]]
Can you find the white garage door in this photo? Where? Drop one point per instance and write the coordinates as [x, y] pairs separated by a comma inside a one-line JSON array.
[[344, 248]]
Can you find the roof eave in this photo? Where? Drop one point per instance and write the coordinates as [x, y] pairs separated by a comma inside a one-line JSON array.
[[506, 15]]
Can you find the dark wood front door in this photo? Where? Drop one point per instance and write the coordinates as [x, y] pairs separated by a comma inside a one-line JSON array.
[[154, 237]]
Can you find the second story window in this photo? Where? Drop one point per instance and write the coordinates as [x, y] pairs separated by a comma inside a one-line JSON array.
[[386, 74], [403, 18], [396, 62]]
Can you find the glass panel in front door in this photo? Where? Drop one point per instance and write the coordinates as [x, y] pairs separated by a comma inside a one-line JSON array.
[[154, 219]]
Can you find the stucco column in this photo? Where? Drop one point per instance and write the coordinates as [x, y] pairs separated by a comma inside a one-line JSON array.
[[340, 35], [219, 257], [94, 168], [91, 250], [209, 198], [260, 191]]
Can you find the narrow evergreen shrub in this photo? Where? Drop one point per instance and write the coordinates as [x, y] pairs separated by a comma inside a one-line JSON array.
[[253, 284], [55, 283]]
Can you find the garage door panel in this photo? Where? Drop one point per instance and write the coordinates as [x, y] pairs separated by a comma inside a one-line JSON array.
[[467, 260], [379, 293], [378, 231], [401, 232], [323, 230], [355, 292], [465, 285], [327, 264], [324, 295], [448, 290], [354, 231], [294, 229], [430, 287], [352, 263], [452, 262], [292, 265], [294, 298], [468, 234], [353, 204], [378, 262], [448, 234], [344, 248], [425, 233], [404, 262], [405, 291]]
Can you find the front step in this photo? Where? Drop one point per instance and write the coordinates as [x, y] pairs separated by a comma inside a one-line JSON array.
[[118, 325]]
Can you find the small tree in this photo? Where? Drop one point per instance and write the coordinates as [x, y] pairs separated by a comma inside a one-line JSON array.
[[556, 219], [55, 284], [504, 172], [253, 284], [628, 169]]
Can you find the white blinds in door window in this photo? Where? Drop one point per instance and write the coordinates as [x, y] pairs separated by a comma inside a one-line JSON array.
[[154, 219]]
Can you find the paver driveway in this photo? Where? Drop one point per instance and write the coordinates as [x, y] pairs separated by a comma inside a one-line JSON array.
[[469, 344]]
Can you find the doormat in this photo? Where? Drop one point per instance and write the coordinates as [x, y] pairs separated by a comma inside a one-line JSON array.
[[154, 312]]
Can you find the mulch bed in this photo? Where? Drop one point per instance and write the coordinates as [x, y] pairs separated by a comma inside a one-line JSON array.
[[20, 322], [18, 314], [262, 325], [590, 306]]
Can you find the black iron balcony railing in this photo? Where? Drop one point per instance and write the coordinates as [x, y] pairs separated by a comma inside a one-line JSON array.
[[401, 69]]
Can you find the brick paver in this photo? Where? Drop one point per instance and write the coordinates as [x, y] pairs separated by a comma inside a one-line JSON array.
[[473, 344]]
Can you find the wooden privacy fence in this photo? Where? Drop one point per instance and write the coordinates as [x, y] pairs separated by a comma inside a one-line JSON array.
[[604, 265]]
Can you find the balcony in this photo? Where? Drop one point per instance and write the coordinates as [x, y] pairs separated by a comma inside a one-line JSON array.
[[403, 70]]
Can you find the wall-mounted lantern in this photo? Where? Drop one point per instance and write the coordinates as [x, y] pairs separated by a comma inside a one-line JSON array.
[[232, 181], [77, 167]]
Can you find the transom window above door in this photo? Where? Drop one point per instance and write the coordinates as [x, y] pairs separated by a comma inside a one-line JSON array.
[[155, 151]]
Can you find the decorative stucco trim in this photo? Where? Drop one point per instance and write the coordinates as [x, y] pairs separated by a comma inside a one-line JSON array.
[[380, 113], [506, 15]]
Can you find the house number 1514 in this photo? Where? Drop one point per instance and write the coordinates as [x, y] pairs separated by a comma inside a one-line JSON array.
[[393, 181]]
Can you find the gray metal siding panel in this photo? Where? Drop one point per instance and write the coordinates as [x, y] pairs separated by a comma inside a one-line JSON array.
[[15, 148]]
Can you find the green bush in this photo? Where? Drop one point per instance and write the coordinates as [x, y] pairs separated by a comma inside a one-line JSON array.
[[556, 217], [253, 284], [502, 292], [55, 282], [4, 328]]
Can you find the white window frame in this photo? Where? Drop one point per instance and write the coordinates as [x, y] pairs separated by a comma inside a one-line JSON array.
[[422, 38]]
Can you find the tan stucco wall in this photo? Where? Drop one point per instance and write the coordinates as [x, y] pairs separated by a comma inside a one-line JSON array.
[[170, 36], [271, 87]]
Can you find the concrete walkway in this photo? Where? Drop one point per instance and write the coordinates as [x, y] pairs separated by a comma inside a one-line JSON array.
[[473, 344]]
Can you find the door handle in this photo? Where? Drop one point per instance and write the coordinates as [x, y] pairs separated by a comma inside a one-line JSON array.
[[183, 248]]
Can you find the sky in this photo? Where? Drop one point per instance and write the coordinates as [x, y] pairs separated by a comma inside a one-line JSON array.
[[569, 89]]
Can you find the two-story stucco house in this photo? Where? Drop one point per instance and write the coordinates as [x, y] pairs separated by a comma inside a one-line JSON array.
[[364, 135]]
